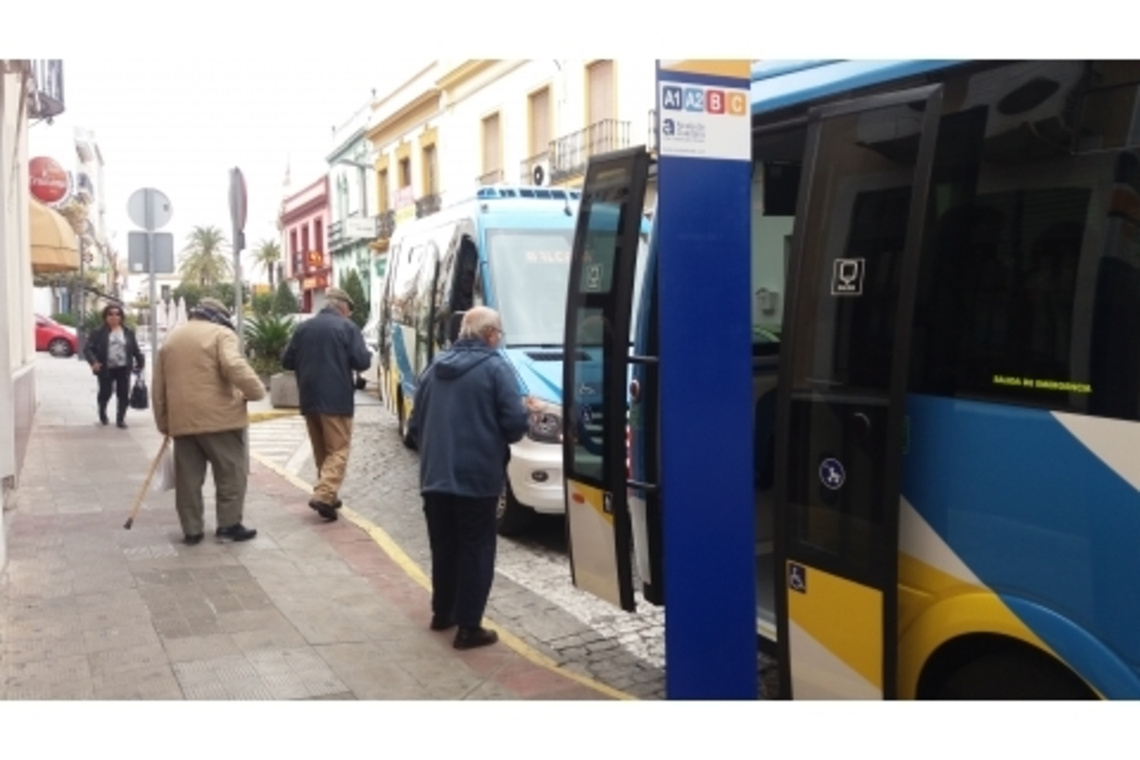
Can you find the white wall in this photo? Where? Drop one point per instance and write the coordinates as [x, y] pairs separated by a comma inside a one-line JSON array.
[[17, 347]]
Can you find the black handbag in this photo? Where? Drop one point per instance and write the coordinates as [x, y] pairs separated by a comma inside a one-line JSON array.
[[140, 397]]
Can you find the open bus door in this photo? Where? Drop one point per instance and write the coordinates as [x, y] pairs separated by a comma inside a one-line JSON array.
[[595, 374], [843, 382]]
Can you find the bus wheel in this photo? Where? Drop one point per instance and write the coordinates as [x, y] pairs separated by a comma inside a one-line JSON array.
[[402, 417], [511, 516], [1020, 674]]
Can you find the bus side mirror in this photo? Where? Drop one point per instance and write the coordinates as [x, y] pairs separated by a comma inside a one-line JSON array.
[[453, 326]]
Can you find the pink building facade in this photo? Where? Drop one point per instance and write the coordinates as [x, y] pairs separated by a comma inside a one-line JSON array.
[[304, 222]]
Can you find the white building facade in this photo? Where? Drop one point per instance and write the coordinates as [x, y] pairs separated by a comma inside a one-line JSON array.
[[29, 235], [352, 220]]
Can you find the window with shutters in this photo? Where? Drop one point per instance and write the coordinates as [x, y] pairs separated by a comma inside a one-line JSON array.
[[431, 171], [492, 150], [382, 190], [600, 98], [540, 122]]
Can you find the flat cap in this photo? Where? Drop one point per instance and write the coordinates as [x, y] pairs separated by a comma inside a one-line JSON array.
[[336, 294]]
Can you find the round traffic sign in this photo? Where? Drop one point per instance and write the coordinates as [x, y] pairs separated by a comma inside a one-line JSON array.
[[146, 201]]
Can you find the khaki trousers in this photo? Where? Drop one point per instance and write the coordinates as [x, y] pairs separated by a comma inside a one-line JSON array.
[[225, 452], [330, 435]]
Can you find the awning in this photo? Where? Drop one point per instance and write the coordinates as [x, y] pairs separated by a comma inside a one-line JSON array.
[[55, 247]]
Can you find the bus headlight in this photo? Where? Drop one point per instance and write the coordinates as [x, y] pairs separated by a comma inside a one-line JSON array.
[[546, 424]]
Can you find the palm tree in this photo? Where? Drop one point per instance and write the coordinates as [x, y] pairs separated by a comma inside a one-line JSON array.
[[203, 262], [266, 256]]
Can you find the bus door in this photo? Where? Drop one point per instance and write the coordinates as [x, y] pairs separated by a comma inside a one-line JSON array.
[[843, 377], [595, 373]]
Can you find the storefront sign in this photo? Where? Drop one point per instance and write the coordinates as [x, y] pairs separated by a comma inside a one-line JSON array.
[[48, 181]]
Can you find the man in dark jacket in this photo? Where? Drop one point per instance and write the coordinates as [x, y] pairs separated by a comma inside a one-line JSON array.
[[324, 353], [467, 411]]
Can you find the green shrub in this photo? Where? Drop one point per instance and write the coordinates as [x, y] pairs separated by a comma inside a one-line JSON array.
[[355, 289], [262, 304], [284, 302], [65, 318]]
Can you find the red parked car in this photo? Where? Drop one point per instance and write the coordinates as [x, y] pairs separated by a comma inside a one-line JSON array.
[[56, 339]]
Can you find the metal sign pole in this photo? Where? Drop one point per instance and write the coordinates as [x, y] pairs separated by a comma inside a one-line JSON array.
[[237, 291], [237, 217], [149, 206]]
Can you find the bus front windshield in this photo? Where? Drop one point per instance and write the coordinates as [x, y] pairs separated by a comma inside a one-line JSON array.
[[529, 272]]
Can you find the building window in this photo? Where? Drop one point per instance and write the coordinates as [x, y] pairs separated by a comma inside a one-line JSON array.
[[382, 190], [492, 146], [599, 91], [165, 292], [318, 235], [540, 122], [431, 171], [405, 172]]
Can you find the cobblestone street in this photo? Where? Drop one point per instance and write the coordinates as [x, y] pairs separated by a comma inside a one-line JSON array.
[[533, 595]]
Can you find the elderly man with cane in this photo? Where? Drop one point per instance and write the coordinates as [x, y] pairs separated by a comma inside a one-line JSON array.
[[201, 386]]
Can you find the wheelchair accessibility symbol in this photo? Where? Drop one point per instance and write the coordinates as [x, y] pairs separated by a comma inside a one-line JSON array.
[[832, 474], [797, 577]]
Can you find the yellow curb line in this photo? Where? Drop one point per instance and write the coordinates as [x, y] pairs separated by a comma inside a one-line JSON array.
[[397, 555], [272, 415]]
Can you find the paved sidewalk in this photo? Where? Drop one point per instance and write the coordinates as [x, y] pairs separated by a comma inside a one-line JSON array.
[[307, 610]]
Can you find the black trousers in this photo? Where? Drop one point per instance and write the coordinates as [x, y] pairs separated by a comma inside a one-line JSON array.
[[461, 532], [118, 378]]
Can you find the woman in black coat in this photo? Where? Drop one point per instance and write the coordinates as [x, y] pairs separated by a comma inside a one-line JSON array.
[[112, 352]]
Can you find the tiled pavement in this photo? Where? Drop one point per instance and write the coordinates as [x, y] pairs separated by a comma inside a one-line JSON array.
[[307, 610]]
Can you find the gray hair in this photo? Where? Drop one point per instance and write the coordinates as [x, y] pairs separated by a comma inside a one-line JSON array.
[[478, 320]]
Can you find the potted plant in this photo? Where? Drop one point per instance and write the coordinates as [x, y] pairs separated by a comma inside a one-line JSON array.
[[266, 337]]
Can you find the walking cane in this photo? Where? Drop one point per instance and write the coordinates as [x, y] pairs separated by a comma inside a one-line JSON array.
[[146, 483]]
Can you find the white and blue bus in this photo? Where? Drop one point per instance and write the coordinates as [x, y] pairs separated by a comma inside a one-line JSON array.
[[507, 248], [982, 388]]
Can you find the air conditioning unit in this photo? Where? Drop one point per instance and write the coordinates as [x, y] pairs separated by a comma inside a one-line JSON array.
[[540, 172]]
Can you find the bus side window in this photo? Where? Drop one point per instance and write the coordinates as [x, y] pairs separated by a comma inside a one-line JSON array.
[[463, 291]]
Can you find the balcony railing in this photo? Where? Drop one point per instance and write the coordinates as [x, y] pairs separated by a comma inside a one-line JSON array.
[[427, 205], [527, 174], [45, 95], [569, 154], [490, 178], [386, 224], [337, 239]]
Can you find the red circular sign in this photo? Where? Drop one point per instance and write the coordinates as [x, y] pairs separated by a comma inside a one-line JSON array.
[[49, 182]]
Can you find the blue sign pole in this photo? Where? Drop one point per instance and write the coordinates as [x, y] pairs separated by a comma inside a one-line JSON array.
[[704, 218]]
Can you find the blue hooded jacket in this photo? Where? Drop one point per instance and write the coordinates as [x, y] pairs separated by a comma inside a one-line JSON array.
[[467, 411]]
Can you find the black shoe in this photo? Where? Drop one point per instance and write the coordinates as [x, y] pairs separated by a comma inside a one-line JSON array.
[[191, 540], [103, 418], [121, 424], [327, 511], [236, 533], [441, 623], [469, 638]]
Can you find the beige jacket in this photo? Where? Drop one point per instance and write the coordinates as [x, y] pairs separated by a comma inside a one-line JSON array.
[[201, 382]]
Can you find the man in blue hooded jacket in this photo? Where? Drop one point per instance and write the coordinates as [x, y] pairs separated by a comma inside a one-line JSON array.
[[466, 412]]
